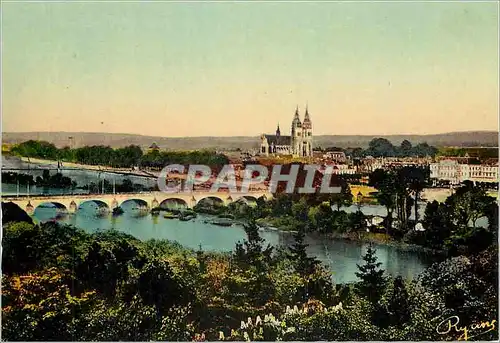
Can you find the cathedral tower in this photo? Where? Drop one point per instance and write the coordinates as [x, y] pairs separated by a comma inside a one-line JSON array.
[[307, 142], [296, 135]]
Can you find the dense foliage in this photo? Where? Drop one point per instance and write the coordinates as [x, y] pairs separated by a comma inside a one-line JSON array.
[[452, 225], [479, 153], [126, 157], [61, 283], [399, 190], [56, 180], [382, 147]]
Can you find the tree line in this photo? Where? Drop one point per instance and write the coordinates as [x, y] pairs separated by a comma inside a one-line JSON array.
[[382, 147], [126, 157], [56, 180]]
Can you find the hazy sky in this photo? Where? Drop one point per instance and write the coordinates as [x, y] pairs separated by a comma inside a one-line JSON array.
[[196, 69]]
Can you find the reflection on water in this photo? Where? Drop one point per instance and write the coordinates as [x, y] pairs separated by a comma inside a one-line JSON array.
[[340, 256], [12, 190]]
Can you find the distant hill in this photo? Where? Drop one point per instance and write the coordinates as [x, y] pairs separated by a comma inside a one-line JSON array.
[[61, 139]]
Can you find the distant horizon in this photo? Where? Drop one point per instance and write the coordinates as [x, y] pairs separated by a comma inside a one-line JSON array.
[[257, 135]]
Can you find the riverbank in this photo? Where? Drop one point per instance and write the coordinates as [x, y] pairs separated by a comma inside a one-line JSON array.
[[384, 239], [358, 237]]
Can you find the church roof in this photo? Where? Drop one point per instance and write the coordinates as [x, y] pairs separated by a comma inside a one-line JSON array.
[[278, 140]]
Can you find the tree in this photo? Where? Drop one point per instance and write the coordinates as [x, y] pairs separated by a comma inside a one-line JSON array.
[[251, 251], [380, 147], [28, 248], [304, 265], [20, 249], [468, 204], [320, 217], [38, 149], [40, 307], [386, 196], [357, 221], [491, 212], [372, 284], [417, 179], [467, 286], [300, 212], [252, 277], [397, 309], [405, 148], [424, 149], [395, 187], [437, 224], [282, 205], [13, 213], [99, 270], [316, 280], [344, 198], [157, 285]]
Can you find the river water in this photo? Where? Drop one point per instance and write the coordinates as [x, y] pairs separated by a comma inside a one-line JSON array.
[[340, 256]]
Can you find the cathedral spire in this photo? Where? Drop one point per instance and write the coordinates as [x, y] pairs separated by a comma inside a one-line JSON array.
[[296, 119], [278, 132], [307, 120]]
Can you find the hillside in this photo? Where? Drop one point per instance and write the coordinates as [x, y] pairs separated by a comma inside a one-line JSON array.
[[61, 139]]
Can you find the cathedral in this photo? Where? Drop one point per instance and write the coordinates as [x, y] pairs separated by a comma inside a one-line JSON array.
[[299, 143]]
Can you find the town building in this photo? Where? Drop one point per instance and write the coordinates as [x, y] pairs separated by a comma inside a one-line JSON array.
[[454, 172], [299, 143], [342, 169], [337, 156], [370, 163]]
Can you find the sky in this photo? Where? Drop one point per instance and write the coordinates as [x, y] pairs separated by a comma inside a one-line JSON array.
[[239, 69]]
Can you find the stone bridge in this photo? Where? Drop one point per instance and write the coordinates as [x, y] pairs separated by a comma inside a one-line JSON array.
[[72, 203]]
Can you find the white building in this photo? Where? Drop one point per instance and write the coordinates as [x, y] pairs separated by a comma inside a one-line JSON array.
[[342, 169], [456, 173], [338, 156]]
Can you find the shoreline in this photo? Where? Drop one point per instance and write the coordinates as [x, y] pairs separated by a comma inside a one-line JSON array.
[[362, 237], [381, 239]]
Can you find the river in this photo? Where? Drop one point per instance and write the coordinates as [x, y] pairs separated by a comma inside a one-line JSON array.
[[340, 256]]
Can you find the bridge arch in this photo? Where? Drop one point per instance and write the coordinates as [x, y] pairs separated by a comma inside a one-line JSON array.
[[102, 207], [55, 210], [210, 201], [140, 202], [174, 203], [247, 199], [56, 205]]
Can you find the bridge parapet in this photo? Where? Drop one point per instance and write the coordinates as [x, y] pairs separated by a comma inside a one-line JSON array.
[[72, 202]]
